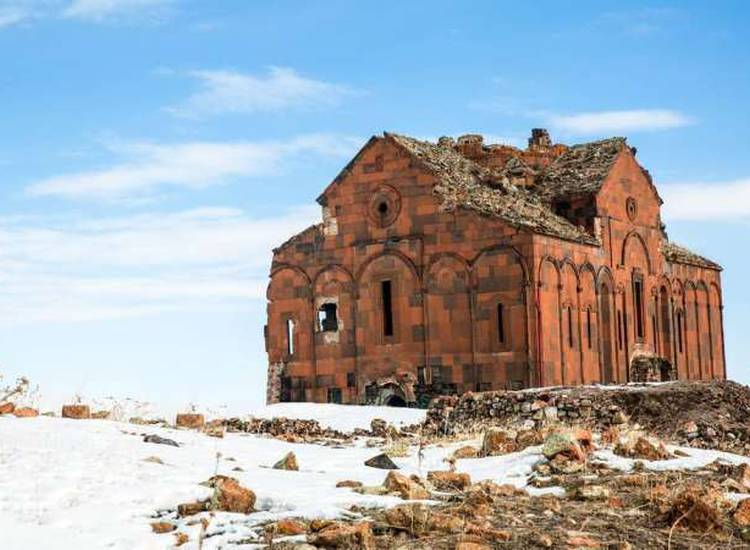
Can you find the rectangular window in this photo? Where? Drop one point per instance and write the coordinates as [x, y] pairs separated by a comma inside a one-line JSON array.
[[421, 371], [334, 395], [351, 380], [385, 292], [638, 304], [328, 318], [656, 333], [290, 337], [619, 330], [500, 324], [679, 331], [571, 341], [588, 328]]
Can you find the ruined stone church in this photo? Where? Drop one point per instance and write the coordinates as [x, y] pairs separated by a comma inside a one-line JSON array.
[[441, 268]]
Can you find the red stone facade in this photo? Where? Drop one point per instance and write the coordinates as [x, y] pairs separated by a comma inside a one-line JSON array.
[[459, 266]]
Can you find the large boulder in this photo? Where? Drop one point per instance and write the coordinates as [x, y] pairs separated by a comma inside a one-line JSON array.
[[637, 445], [449, 481], [407, 488], [190, 420], [289, 462], [7, 408], [230, 496], [78, 412], [563, 443], [498, 442], [343, 535], [381, 461], [25, 412]]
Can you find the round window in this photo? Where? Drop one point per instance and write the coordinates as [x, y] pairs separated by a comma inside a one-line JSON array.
[[385, 205]]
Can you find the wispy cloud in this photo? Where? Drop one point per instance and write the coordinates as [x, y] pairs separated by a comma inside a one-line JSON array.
[[99, 10], [719, 201], [146, 167], [13, 12], [231, 92], [644, 21], [596, 122], [204, 259]]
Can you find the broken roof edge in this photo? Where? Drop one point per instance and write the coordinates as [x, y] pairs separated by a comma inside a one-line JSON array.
[[297, 237], [677, 254]]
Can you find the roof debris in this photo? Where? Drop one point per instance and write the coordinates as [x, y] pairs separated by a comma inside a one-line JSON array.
[[680, 255]]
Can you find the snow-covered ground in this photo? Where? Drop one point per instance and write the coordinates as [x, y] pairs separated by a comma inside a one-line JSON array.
[[79, 485]]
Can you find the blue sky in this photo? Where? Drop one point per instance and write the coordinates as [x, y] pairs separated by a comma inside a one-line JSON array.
[[153, 151]]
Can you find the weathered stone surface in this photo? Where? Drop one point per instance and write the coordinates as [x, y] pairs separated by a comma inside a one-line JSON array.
[[153, 438], [161, 527], [190, 420], [288, 527], [78, 412], [230, 496], [449, 481], [7, 408], [498, 442], [407, 488], [288, 462], [741, 514], [25, 412], [381, 461], [344, 535], [349, 483], [466, 451]]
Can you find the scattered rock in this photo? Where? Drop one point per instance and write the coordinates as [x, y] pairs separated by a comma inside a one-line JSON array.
[[381, 461], [379, 427], [289, 527], [498, 442], [699, 508], [191, 508], [741, 514], [25, 412], [78, 412], [230, 496], [182, 538], [154, 460], [289, 462], [417, 519], [635, 445], [344, 535], [190, 420], [407, 488], [449, 481], [591, 492], [7, 408], [161, 527], [214, 429], [349, 483], [562, 443], [153, 438], [466, 452], [100, 415]]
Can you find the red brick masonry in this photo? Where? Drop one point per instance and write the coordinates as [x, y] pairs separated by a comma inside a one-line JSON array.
[[458, 266]]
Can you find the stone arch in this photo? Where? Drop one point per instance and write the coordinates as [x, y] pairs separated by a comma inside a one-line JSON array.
[[548, 325], [704, 329], [389, 319], [449, 319], [607, 353], [717, 330], [589, 315], [635, 237], [499, 283], [276, 291], [691, 331], [570, 322]]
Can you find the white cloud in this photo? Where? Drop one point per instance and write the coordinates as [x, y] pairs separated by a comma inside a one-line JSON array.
[[149, 166], [209, 259], [13, 12], [99, 10], [619, 121], [223, 92], [719, 201]]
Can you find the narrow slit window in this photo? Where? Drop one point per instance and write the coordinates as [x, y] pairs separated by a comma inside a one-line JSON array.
[[570, 327], [656, 332], [638, 298], [387, 301], [290, 337], [588, 328], [500, 323], [619, 329], [328, 320], [679, 331]]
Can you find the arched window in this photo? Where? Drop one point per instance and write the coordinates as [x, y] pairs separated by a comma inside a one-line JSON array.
[[290, 337], [500, 323], [588, 327], [571, 340]]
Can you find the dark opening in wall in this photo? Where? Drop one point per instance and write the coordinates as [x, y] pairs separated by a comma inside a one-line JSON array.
[[351, 380], [387, 302], [640, 329], [619, 330], [500, 323], [334, 395], [679, 331], [328, 318], [588, 328], [571, 341]]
